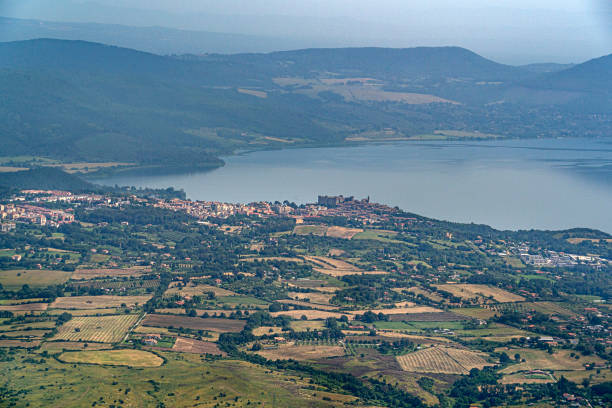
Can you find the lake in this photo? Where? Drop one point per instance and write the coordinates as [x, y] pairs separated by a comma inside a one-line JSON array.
[[511, 184]]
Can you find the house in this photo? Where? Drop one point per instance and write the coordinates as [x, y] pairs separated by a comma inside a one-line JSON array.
[[16, 257], [150, 341]]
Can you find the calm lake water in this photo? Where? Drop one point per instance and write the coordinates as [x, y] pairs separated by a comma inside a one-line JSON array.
[[514, 184]]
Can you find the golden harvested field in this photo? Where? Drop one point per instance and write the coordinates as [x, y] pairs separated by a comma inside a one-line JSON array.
[[97, 302], [302, 352], [469, 291], [267, 330], [108, 272], [442, 360], [541, 360], [185, 345], [103, 329], [195, 289], [19, 343], [310, 314], [27, 307], [132, 358], [342, 232], [307, 304], [313, 297], [338, 268]]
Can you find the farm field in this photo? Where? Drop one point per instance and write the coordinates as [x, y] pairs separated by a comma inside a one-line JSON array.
[[313, 297], [404, 310], [381, 236], [495, 332], [25, 307], [97, 302], [58, 346], [134, 271], [310, 314], [469, 291], [124, 357], [337, 268], [550, 308], [85, 312], [103, 329], [528, 378], [535, 359], [310, 230], [427, 317], [301, 352], [442, 360], [196, 289], [10, 343], [116, 284], [307, 304], [342, 232], [186, 345], [28, 325], [475, 312], [25, 334], [303, 325], [196, 323], [35, 278], [419, 291]]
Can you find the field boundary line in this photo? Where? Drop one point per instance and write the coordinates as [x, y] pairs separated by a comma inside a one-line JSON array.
[[131, 329]]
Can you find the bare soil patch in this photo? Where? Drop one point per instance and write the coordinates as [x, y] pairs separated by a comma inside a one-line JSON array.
[[196, 323]]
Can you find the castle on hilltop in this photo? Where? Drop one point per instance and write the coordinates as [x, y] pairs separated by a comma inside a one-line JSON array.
[[334, 201]]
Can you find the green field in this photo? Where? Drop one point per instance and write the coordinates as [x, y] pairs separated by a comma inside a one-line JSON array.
[[15, 279], [227, 381], [381, 236]]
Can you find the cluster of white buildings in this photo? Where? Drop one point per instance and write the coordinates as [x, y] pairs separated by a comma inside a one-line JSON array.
[[32, 214]]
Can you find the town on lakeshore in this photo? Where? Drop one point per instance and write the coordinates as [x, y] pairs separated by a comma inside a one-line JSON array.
[[347, 301]]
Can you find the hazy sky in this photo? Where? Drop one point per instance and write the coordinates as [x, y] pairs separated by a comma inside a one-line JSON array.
[[511, 31]]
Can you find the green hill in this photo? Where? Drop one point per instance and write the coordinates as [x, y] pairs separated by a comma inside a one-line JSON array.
[[82, 101]]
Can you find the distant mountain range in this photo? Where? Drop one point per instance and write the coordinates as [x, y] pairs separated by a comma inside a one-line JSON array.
[[77, 100], [157, 40]]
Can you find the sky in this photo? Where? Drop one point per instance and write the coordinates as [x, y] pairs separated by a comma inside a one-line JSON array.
[[510, 31]]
